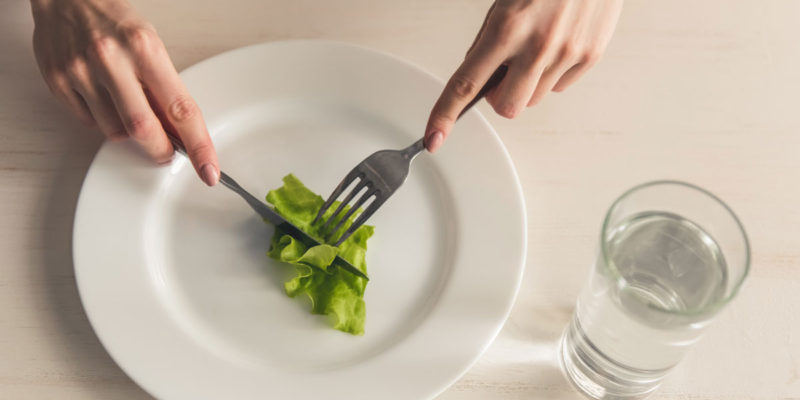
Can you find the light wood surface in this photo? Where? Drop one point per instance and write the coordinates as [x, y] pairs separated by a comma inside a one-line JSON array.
[[702, 91]]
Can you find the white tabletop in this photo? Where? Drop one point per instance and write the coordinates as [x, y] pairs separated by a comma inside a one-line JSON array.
[[701, 91]]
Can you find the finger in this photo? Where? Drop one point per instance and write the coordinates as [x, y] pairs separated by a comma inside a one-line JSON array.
[[595, 37], [571, 76], [136, 114], [549, 78], [179, 109], [513, 93], [462, 87], [97, 100], [80, 108], [103, 112], [61, 88], [483, 28]]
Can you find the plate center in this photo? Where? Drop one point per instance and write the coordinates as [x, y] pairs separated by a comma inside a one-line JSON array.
[[211, 248]]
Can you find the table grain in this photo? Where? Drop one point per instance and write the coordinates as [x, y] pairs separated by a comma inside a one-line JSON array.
[[702, 91]]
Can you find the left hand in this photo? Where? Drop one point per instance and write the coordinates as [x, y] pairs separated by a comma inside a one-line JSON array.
[[108, 65]]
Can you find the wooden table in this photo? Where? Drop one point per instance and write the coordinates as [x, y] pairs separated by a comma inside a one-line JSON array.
[[702, 91]]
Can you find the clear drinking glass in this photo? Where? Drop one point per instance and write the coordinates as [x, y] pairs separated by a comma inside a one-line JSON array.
[[671, 256]]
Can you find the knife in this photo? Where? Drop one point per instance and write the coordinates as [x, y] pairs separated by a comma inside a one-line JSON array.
[[266, 212]]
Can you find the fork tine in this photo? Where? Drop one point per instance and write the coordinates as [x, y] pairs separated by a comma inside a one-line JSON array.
[[344, 202], [348, 179], [361, 200], [361, 219]]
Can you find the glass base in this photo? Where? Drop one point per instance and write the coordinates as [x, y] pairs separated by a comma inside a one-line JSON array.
[[598, 377]]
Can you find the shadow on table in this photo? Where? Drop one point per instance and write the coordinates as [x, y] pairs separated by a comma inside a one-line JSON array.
[[544, 377], [53, 156], [77, 341], [537, 328]]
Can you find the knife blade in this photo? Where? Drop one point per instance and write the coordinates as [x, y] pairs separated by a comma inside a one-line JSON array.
[[276, 219], [266, 212]]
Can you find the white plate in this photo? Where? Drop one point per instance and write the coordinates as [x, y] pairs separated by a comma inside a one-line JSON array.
[[174, 276]]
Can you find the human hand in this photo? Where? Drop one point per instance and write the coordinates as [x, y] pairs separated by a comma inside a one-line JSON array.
[[546, 44], [111, 69]]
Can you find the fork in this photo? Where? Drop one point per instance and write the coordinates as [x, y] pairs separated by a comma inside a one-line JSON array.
[[267, 213], [382, 173]]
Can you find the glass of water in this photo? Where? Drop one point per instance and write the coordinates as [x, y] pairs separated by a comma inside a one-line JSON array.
[[671, 256]]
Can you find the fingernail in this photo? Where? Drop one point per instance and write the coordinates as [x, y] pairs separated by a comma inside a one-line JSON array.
[[435, 141], [209, 174]]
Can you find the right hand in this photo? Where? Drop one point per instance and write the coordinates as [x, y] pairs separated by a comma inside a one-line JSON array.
[[546, 45], [111, 69]]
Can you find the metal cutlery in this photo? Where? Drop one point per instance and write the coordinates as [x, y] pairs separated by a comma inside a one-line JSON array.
[[379, 176], [266, 212]]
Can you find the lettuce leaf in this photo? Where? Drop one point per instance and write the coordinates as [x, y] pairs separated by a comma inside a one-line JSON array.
[[333, 292]]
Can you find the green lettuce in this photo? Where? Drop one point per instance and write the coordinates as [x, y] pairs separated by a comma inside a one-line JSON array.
[[333, 292]]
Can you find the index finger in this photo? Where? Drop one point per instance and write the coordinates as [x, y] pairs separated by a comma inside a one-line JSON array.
[[462, 88], [179, 113]]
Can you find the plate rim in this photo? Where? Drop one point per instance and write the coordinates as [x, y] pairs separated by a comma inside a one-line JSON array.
[[506, 158]]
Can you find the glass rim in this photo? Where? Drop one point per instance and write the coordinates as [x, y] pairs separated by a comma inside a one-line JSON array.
[[621, 281]]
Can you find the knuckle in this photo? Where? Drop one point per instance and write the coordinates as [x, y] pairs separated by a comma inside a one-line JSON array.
[[183, 108], [463, 86], [201, 151], [57, 79], [550, 45], [103, 48], [77, 69], [141, 128], [592, 55], [570, 50], [142, 40]]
